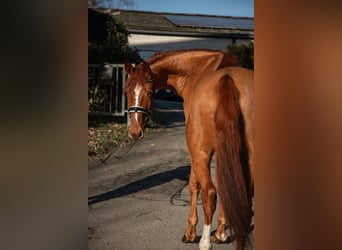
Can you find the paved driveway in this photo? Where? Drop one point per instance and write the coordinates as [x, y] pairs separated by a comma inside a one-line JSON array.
[[141, 201]]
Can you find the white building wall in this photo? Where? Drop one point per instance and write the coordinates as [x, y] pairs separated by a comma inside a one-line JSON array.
[[148, 45]]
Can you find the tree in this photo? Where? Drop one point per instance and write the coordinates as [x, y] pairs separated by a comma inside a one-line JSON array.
[[108, 39], [107, 43], [125, 3], [94, 3], [117, 4]]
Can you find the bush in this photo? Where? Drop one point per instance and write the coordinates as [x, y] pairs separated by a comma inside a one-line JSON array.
[[96, 98], [245, 54]]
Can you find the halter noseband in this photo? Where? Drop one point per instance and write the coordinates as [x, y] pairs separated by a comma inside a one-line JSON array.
[[140, 109]]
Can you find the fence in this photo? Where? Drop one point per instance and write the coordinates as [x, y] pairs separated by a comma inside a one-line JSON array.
[[106, 93]]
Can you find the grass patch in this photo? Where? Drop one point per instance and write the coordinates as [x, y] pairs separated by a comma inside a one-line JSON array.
[[105, 136], [107, 132]]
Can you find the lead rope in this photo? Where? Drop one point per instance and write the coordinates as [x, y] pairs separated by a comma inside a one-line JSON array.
[[126, 143]]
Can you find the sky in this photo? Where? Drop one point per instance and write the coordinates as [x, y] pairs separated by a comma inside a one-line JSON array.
[[244, 8]]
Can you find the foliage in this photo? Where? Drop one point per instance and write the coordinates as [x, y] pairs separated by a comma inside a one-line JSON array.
[[245, 54], [107, 43], [96, 98], [112, 3], [106, 52], [108, 39]]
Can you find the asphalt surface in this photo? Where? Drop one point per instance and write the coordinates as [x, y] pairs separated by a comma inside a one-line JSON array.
[[141, 200]]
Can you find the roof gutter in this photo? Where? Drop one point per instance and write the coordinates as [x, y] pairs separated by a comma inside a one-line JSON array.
[[236, 34]]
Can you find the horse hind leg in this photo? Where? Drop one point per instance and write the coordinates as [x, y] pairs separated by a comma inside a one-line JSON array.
[[221, 232], [194, 188], [208, 194], [200, 150], [209, 204]]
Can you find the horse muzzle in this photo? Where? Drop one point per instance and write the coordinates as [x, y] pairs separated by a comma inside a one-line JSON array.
[[136, 135]]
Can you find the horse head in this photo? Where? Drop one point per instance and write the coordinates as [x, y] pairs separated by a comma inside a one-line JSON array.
[[139, 87]]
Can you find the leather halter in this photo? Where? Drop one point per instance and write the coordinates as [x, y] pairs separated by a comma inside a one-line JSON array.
[[140, 109]]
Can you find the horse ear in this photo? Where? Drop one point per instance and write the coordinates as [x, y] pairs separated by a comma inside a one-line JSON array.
[[128, 66], [146, 66]]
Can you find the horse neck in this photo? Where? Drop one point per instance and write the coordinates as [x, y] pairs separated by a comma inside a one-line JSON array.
[[180, 71]]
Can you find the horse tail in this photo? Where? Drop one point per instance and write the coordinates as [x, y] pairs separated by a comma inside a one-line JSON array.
[[231, 152]]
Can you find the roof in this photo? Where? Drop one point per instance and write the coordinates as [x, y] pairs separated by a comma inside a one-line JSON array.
[[145, 22]]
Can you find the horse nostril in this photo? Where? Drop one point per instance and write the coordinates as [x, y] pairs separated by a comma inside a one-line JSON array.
[[141, 134]]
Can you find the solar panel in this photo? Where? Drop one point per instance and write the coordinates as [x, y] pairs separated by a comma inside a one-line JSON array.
[[211, 22]]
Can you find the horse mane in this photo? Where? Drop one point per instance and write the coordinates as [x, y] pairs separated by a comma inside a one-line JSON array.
[[227, 60]]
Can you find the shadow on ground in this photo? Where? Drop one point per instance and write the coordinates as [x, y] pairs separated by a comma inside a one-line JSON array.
[[181, 173]]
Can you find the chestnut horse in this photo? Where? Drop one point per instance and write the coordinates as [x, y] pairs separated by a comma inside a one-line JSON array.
[[218, 108]]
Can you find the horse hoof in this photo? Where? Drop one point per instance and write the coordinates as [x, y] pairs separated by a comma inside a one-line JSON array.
[[218, 241], [186, 240]]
